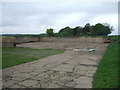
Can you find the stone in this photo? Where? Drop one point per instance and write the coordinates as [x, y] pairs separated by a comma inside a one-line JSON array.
[[83, 86], [70, 84], [35, 86], [65, 68], [44, 85], [83, 81], [8, 83], [52, 85], [18, 79], [17, 86], [22, 75], [89, 73], [28, 83]]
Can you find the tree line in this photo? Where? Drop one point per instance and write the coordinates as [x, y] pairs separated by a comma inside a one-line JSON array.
[[88, 30]]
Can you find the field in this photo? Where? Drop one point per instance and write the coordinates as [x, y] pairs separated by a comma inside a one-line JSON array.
[[107, 73], [19, 55]]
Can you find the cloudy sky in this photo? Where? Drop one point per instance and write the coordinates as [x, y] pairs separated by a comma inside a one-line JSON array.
[[36, 17]]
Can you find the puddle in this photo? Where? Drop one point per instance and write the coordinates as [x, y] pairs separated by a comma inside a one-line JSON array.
[[64, 62], [83, 49]]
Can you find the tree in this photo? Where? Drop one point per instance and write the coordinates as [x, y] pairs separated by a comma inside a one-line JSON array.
[[81, 34], [109, 28], [86, 29], [88, 25], [92, 31], [102, 30], [43, 35], [50, 32], [77, 30], [67, 31], [56, 34]]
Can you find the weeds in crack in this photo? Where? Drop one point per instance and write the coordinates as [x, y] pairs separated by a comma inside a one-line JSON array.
[[73, 68], [44, 65]]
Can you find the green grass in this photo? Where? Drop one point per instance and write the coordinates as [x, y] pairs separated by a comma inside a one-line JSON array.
[[16, 56], [107, 73]]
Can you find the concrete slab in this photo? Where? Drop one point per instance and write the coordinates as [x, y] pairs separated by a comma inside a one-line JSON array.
[[67, 70], [28, 83]]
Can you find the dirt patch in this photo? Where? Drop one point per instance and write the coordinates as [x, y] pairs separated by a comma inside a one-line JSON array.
[[59, 45]]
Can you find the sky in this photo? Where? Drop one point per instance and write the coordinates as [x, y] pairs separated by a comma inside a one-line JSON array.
[[36, 17]]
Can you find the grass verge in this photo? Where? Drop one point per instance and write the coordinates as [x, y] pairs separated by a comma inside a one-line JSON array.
[[107, 73], [19, 55]]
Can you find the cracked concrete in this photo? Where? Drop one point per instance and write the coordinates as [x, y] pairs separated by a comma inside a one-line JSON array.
[[67, 70]]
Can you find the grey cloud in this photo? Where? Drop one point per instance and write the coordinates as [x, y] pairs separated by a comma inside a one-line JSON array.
[[47, 13], [53, 8]]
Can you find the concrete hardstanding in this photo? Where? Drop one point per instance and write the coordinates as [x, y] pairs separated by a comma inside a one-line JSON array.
[[67, 70]]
